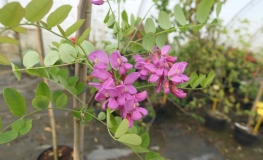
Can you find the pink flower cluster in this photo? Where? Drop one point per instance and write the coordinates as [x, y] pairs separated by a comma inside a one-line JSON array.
[[163, 69], [117, 95]]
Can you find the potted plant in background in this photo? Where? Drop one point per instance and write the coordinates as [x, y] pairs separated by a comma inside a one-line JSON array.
[[246, 134]]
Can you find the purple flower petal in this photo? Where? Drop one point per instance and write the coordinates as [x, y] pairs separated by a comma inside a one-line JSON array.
[[115, 60], [96, 85], [121, 100], [97, 2], [153, 78], [113, 104], [136, 115], [165, 49], [112, 92], [131, 78], [140, 96], [131, 89], [142, 111], [99, 56], [150, 67], [104, 104], [129, 106], [101, 74]]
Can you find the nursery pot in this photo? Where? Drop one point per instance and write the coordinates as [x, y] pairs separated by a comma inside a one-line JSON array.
[[64, 153], [215, 120], [243, 136]]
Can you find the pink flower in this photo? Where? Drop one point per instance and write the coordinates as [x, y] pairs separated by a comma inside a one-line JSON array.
[[100, 58], [131, 111], [176, 73], [97, 2], [119, 62], [101, 74]]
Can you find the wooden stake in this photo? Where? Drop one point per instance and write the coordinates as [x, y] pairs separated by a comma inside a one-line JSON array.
[[215, 104], [50, 111], [84, 12], [260, 119]]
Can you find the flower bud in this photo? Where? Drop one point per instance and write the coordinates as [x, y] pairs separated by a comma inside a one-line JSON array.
[[97, 2]]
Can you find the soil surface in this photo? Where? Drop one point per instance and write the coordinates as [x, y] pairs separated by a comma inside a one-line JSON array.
[[176, 136]]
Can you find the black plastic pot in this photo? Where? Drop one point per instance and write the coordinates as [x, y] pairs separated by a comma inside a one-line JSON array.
[[64, 153], [242, 136], [214, 123], [246, 106]]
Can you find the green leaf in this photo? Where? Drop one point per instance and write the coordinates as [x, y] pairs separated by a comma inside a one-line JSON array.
[[218, 8], [151, 155], [63, 73], [132, 130], [72, 90], [198, 81], [5, 39], [59, 15], [203, 10], [138, 149], [4, 60], [101, 116], [44, 24], [148, 41], [76, 114], [87, 47], [72, 80], [40, 102], [36, 10], [124, 16], [80, 87], [43, 90], [22, 126], [74, 27], [184, 28], [197, 27], [128, 31], [67, 53], [56, 44], [209, 78], [0, 123], [15, 101], [62, 81], [122, 129], [132, 20], [30, 59], [111, 122], [179, 15], [135, 47], [107, 17], [132, 139], [11, 14], [62, 32], [53, 73], [164, 20], [150, 26], [161, 40], [55, 96], [51, 58], [61, 101], [16, 71], [111, 21], [84, 35], [193, 78], [19, 29], [145, 140], [8, 136], [40, 72]]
